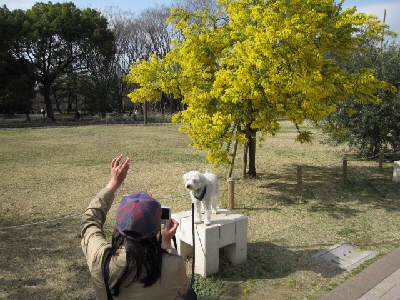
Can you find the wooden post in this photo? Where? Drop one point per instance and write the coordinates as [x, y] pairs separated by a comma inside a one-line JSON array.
[[299, 187], [231, 194], [345, 168], [381, 156]]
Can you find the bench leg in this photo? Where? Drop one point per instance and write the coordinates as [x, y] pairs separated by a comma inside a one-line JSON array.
[[206, 250]]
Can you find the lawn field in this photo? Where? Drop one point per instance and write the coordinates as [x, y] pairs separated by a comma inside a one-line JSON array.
[[49, 175]]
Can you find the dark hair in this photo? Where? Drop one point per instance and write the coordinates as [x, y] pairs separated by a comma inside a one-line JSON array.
[[143, 253]]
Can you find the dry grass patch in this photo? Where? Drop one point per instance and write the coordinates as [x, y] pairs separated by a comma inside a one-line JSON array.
[[54, 172]]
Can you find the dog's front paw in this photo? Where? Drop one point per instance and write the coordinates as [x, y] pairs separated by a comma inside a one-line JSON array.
[[197, 221], [207, 222]]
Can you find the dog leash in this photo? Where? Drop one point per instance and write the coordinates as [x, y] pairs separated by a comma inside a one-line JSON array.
[[191, 294], [193, 239]]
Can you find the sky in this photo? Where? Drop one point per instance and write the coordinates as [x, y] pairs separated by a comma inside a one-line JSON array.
[[375, 7]]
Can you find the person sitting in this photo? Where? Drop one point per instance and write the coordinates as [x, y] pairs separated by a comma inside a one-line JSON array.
[[140, 263]]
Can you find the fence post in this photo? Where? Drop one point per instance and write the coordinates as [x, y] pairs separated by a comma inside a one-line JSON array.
[[381, 160], [344, 167], [231, 194], [299, 187]]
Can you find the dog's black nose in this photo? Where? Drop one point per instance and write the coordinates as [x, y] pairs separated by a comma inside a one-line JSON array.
[[188, 186]]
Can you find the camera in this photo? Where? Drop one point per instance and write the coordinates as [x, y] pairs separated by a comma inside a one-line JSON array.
[[165, 214]]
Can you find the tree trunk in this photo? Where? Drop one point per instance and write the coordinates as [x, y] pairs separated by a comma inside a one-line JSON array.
[[252, 143], [246, 148], [47, 99], [252, 155], [145, 112], [69, 101], [233, 159], [57, 103]]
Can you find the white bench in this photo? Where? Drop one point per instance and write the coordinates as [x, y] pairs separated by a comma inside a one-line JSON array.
[[227, 230]]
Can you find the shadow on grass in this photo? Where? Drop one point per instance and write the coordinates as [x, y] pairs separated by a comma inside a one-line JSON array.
[[266, 260], [26, 286], [37, 264], [326, 186]]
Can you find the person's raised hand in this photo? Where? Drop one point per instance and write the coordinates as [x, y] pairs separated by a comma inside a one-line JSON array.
[[119, 170]]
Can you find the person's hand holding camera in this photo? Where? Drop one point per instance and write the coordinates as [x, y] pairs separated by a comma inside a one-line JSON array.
[[168, 233]]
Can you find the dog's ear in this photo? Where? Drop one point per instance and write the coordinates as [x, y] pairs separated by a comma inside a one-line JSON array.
[[203, 179]]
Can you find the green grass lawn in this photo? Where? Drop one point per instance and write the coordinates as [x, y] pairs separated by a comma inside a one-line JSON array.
[[51, 173]]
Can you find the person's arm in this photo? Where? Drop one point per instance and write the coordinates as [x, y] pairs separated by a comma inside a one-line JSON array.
[[93, 237], [182, 280]]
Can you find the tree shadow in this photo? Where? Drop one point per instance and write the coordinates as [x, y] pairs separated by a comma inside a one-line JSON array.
[[258, 208], [266, 260], [26, 286], [44, 262], [327, 187]]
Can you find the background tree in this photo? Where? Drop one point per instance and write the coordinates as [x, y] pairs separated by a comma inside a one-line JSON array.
[[54, 38], [88, 72], [130, 44], [137, 37], [157, 33], [16, 87], [371, 127], [273, 59], [16, 83]]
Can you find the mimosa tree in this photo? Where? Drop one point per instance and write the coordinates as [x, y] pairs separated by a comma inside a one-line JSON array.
[[274, 58]]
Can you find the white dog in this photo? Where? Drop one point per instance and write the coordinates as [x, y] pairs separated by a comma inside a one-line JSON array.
[[204, 190]]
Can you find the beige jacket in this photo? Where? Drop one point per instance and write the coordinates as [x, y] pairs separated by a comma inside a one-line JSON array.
[[173, 282]]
